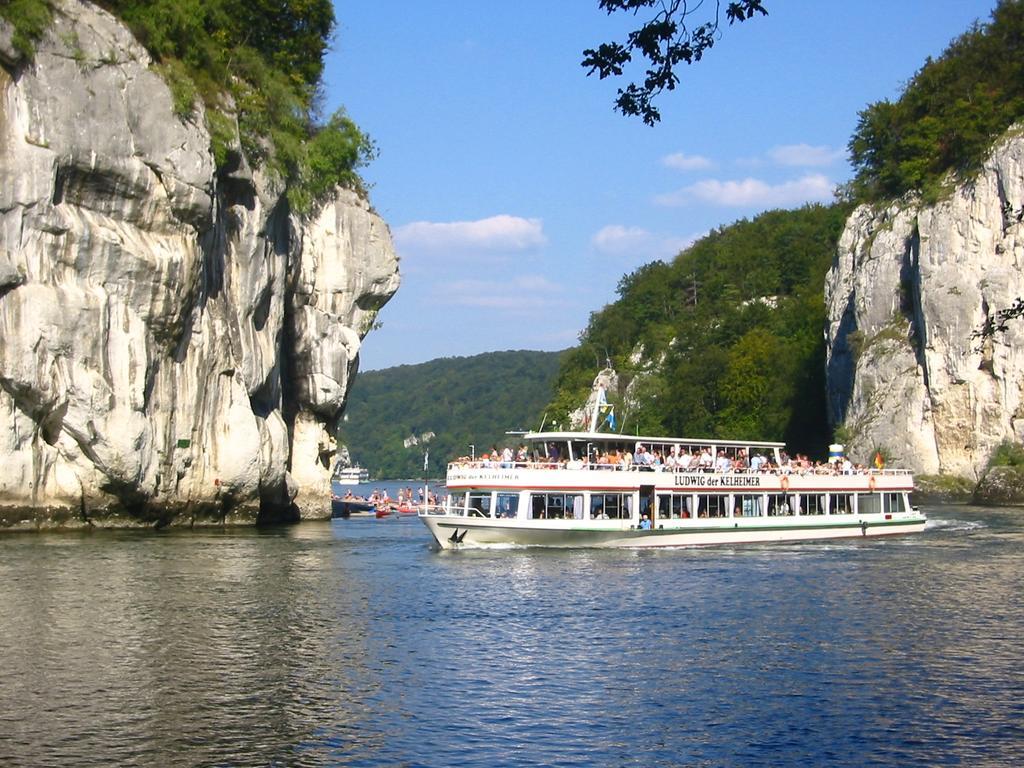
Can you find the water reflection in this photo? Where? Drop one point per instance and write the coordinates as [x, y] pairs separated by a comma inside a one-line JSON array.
[[355, 643]]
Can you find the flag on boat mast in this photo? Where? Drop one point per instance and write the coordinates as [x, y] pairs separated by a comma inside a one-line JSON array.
[[426, 455], [610, 418], [601, 408]]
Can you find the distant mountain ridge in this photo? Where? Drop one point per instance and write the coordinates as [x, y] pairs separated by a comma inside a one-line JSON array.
[[464, 401]]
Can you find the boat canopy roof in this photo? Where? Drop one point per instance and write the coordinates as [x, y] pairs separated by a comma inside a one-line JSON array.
[[617, 439]]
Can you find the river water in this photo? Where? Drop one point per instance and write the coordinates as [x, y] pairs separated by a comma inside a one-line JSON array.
[[354, 643]]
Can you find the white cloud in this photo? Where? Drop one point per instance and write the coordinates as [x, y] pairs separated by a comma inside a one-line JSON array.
[[524, 293], [638, 243], [616, 239], [805, 155], [501, 233], [750, 162], [752, 193], [681, 162]]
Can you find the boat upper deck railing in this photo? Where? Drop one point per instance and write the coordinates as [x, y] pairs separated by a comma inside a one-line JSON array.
[[770, 469]]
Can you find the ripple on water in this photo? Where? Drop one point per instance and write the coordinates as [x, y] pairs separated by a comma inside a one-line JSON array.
[[357, 644]]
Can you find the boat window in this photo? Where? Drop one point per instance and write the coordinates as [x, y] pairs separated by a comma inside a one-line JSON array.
[[548, 506], [579, 449], [875, 503], [812, 503], [576, 500], [712, 505], [610, 506], [749, 505], [869, 503], [507, 506], [674, 505], [842, 504], [457, 502], [779, 505], [480, 504]]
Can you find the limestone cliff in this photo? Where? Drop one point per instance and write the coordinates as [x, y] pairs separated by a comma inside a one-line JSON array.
[[909, 286], [175, 345]]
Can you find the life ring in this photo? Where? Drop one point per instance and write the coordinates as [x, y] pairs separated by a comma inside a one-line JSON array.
[[871, 483], [784, 482]]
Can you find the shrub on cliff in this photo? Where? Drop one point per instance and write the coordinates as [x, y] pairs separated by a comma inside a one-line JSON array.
[[29, 18], [257, 62], [267, 57], [1007, 454]]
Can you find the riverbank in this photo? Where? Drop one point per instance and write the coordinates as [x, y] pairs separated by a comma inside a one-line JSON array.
[[1001, 487]]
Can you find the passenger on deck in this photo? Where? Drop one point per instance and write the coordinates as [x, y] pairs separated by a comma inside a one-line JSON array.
[[553, 454], [785, 463], [642, 458], [645, 524], [742, 461], [706, 461], [724, 464], [684, 461]]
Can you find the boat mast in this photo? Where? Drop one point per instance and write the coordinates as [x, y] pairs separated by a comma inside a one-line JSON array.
[[426, 481], [600, 405]]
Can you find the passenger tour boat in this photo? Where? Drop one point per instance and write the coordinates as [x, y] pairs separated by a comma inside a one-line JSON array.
[[601, 489], [351, 475]]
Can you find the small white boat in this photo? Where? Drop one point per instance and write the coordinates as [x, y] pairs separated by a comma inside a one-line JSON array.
[[351, 475], [594, 489]]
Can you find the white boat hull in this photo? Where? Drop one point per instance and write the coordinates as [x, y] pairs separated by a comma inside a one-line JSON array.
[[455, 531]]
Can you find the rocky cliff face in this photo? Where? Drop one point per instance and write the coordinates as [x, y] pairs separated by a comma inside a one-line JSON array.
[[910, 285], [175, 346]]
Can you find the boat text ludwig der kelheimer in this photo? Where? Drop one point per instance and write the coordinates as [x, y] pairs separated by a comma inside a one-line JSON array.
[[600, 489]]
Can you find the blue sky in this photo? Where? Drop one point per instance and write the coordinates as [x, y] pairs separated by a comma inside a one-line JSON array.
[[517, 197]]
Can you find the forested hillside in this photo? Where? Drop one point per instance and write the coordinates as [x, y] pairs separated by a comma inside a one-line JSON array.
[[463, 400], [736, 325]]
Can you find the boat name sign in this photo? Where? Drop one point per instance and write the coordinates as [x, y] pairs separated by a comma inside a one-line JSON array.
[[701, 480], [477, 476], [716, 481]]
